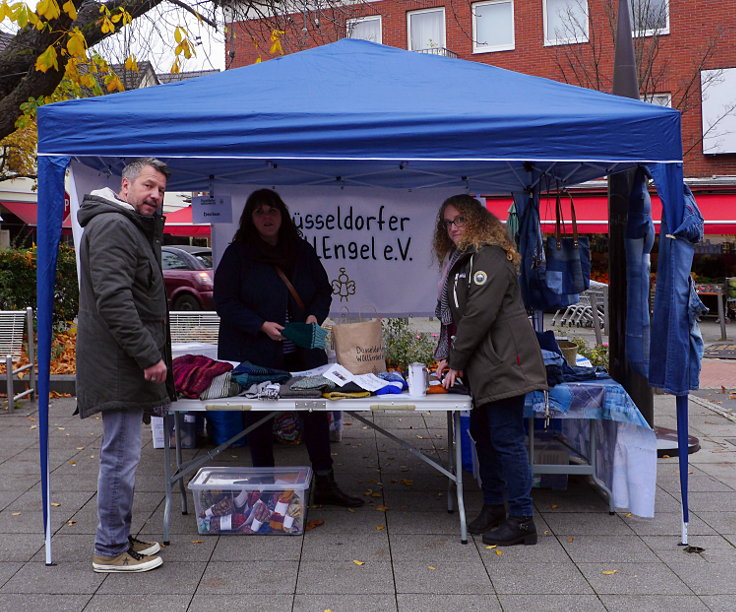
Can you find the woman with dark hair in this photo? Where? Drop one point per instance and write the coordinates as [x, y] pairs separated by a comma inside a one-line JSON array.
[[486, 338], [254, 303]]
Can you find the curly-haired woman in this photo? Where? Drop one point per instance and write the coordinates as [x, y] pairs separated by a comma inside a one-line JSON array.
[[487, 339]]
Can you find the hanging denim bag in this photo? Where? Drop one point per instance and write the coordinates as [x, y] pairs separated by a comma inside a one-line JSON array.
[[568, 258]]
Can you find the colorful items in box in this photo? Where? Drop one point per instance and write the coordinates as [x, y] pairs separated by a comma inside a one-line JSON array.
[[251, 512]]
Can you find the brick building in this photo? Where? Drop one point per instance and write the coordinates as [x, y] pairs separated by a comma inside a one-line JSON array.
[[679, 42], [686, 58]]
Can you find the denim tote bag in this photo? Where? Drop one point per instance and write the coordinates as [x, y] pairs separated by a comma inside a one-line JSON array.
[[568, 258], [535, 291]]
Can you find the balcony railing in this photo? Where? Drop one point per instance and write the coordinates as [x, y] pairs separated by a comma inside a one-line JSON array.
[[437, 51]]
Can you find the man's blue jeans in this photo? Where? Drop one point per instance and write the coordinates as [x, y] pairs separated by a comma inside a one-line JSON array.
[[498, 431], [119, 457]]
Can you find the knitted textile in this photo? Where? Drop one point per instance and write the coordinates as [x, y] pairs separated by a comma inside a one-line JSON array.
[[306, 335], [338, 395], [221, 386], [265, 390], [312, 382], [248, 374], [288, 389], [194, 373], [396, 383]]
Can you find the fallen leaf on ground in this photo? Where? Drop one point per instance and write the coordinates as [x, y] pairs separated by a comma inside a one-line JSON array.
[[431, 567], [350, 509], [570, 539], [380, 528], [553, 506], [15, 513], [407, 482], [197, 541], [382, 508], [608, 572], [358, 562], [628, 515], [55, 504], [71, 523], [313, 524], [491, 547], [499, 552]]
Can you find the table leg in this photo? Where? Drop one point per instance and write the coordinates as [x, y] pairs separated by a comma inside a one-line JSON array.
[[451, 463], [179, 461], [459, 476], [167, 480]]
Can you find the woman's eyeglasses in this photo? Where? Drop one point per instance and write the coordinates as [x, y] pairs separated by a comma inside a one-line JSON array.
[[457, 222]]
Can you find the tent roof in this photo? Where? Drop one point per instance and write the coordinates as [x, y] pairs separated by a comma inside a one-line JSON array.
[[354, 112]]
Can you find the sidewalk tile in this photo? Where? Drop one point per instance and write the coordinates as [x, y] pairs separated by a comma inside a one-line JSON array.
[[463, 603], [245, 577], [346, 547], [608, 549], [340, 603], [432, 549], [63, 579], [707, 578], [558, 578], [344, 577], [450, 577], [551, 603], [57, 603], [633, 579], [218, 603], [653, 603], [136, 601]]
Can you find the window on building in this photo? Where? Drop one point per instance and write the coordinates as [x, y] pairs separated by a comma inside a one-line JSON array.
[[426, 29], [660, 99], [650, 17], [565, 21], [365, 28], [493, 26]]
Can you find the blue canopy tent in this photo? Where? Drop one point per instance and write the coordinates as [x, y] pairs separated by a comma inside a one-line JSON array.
[[350, 113]]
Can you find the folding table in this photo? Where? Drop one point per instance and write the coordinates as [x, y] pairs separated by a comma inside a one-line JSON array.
[[450, 403]]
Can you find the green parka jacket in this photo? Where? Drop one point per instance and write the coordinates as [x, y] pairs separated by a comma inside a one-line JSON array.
[[494, 342], [123, 316]]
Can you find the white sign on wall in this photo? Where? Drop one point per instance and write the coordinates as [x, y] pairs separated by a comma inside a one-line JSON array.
[[208, 209], [375, 244]]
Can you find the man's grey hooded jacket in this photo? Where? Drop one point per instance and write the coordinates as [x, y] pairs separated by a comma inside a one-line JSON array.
[[123, 316]]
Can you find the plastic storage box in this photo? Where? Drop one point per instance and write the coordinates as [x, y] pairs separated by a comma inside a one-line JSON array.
[[244, 500]]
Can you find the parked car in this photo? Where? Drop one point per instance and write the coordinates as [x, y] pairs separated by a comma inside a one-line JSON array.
[[188, 276]]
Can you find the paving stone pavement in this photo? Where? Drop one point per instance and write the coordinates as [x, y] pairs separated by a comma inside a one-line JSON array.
[[412, 557]]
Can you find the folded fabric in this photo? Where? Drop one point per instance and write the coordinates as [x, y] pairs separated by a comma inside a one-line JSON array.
[[288, 389], [396, 383], [247, 374], [306, 335], [313, 382], [266, 390], [338, 395], [436, 388], [221, 386], [194, 373]]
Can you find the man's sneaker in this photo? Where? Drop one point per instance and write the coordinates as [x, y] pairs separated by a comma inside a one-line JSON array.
[[143, 548], [129, 561]]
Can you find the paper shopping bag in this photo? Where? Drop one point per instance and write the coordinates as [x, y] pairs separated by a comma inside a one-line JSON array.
[[359, 346]]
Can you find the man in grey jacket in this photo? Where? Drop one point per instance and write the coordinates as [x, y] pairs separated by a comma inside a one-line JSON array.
[[123, 348]]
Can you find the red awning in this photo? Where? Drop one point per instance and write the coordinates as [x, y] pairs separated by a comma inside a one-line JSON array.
[[27, 212], [719, 212], [179, 223]]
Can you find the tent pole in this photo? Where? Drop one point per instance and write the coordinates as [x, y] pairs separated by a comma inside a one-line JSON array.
[[625, 83]]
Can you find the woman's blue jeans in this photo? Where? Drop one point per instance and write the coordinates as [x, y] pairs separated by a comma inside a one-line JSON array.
[[498, 431], [119, 457]]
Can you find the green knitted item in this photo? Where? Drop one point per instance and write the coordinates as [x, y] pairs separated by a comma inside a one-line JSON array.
[[306, 335]]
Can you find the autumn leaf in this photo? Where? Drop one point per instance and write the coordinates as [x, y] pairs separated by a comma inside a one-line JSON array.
[[48, 59], [570, 539], [69, 9], [608, 572], [70, 523], [197, 541], [431, 567], [55, 504], [491, 547], [380, 528], [499, 552], [314, 524], [48, 9], [358, 562], [382, 508], [15, 513], [554, 506]]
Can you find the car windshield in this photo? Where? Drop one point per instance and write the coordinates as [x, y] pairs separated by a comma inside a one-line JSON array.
[[205, 259]]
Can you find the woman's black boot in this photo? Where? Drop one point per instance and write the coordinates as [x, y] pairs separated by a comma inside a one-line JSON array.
[[327, 493], [514, 530], [490, 517]]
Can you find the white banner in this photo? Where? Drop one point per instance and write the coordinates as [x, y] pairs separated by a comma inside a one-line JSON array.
[[374, 243]]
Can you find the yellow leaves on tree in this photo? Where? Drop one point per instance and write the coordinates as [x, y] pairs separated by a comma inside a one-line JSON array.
[[48, 59], [276, 42], [48, 9]]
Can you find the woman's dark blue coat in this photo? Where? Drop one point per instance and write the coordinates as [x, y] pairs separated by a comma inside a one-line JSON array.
[[248, 292]]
